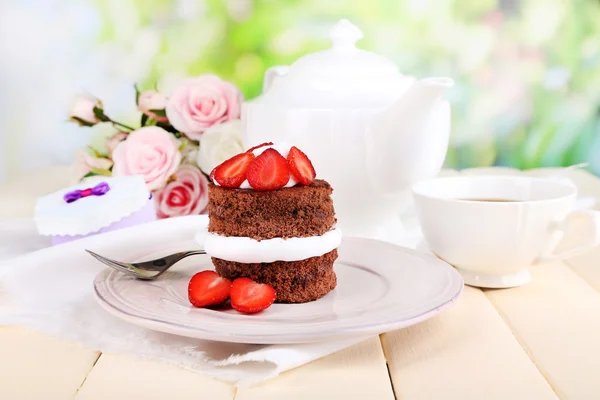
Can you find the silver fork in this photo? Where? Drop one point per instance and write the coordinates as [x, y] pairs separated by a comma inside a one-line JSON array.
[[147, 270]]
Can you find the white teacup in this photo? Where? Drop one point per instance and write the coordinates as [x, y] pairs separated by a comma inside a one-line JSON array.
[[492, 229]]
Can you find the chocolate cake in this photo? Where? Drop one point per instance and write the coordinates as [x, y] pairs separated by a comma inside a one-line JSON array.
[[299, 211], [285, 237], [294, 281]]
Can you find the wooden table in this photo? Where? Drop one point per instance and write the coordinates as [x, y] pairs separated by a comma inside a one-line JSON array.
[[539, 341]]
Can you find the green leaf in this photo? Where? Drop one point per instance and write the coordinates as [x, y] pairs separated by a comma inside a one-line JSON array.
[[81, 122], [90, 174], [144, 120], [182, 145], [167, 127], [137, 95], [99, 113], [103, 172], [159, 113], [95, 152]]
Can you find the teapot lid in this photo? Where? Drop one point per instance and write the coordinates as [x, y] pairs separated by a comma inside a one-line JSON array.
[[342, 76]]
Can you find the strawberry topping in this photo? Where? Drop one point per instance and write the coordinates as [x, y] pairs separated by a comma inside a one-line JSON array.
[[232, 172], [250, 150], [300, 166], [268, 171], [207, 288], [250, 297]]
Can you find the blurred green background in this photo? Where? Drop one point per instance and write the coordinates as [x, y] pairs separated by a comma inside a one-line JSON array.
[[527, 71]]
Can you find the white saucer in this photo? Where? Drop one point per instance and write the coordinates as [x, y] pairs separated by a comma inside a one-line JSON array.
[[381, 287], [478, 279]]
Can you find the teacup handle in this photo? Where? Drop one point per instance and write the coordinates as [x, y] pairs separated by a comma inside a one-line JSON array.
[[592, 241]]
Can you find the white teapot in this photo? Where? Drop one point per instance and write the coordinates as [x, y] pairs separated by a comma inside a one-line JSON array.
[[370, 131]]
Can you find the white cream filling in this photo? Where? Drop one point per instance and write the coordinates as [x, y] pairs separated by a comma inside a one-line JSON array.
[[247, 250], [283, 149]]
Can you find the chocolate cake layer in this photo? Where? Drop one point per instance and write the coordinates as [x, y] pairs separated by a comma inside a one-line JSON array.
[[299, 211], [294, 282]]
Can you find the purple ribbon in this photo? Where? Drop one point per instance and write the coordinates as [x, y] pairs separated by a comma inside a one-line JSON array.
[[98, 190]]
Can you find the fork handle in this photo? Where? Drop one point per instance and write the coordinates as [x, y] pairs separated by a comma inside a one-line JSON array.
[[168, 261], [179, 256], [191, 253]]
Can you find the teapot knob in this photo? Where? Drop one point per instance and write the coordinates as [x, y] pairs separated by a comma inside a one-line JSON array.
[[344, 34]]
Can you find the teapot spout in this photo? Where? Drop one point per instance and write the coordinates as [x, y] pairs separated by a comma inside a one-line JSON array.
[[408, 141], [419, 99]]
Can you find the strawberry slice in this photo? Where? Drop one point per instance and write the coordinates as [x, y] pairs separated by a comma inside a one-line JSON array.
[[207, 288], [232, 173], [300, 166], [250, 150], [269, 171], [250, 297], [212, 175]]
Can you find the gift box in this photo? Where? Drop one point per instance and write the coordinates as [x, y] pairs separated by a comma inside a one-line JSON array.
[[89, 208]]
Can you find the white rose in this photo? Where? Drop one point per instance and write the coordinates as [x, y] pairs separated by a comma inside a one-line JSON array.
[[189, 153], [219, 143]]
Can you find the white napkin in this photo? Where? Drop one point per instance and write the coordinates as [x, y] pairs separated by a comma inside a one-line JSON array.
[[56, 298]]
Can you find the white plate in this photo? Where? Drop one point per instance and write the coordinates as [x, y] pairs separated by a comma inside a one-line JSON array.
[[381, 287]]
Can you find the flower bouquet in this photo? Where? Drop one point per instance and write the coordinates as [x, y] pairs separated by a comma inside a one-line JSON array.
[[181, 138]]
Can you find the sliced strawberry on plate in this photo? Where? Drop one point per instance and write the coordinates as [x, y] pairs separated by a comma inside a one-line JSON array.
[[251, 149], [207, 288], [269, 171], [212, 175], [250, 297], [232, 173], [300, 166]]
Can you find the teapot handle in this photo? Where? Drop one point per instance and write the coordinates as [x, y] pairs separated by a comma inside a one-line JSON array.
[[272, 73]]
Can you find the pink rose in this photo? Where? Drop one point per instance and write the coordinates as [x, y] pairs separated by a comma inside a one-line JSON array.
[[150, 151], [85, 163], [201, 102], [151, 100], [81, 109], [113, 141], [186, 195]]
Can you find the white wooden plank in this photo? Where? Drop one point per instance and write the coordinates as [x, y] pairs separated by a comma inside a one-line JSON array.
[[124, 377], [358, 372], [556, 318], [434, 349], [587, 266], [36, 366], [466, 352]]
